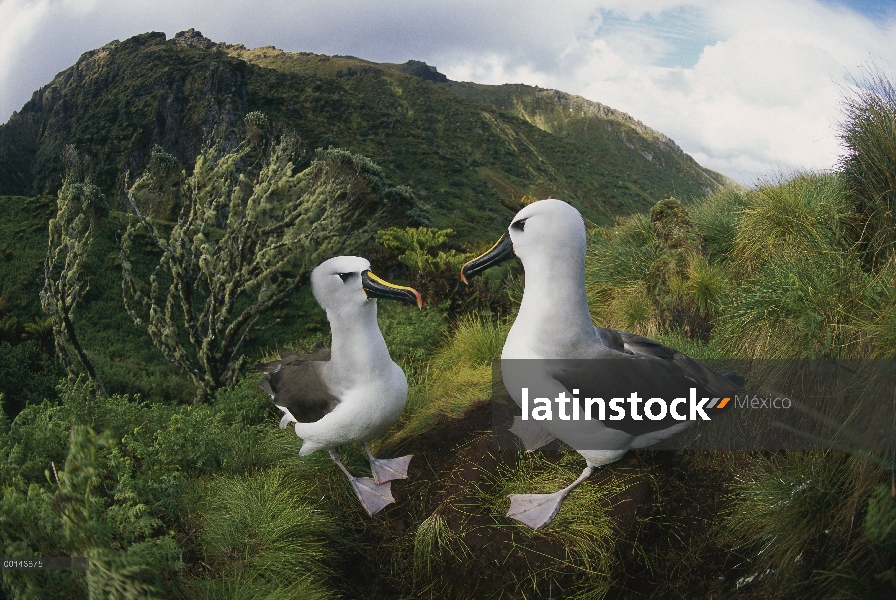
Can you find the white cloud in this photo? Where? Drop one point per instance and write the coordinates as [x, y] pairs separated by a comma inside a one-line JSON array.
[[749, 89], [19, 22], [760, 100], [764, 99]]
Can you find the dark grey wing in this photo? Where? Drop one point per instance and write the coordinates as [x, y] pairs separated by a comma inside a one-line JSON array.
[[293, 383], [611, 339], [637, 344], [734, 378], [268, 367], [320, 352], [642, 346], [288, 357]]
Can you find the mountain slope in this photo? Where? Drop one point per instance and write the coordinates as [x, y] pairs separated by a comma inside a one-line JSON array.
[[470, 151], [662, 162]]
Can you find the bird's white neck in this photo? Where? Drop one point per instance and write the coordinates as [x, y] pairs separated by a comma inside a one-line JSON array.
[[554, 321], [357, 341]]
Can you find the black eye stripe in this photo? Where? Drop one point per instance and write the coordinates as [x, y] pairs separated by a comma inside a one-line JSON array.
[[345, 276], [521, 225]]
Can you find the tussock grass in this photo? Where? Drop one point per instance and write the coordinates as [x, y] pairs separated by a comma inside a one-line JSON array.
[[794, 515], [476, 341], [256, 587], [807, 216], [869, 165], [804, 290], [617, 265], [718, 218], [264, 536], [644, 278], [703, 285], [622, 254], [432, 541]]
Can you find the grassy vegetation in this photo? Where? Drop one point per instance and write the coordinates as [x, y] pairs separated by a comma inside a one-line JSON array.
[[452, 380], [262, 534], [869, 134], [795, 515]]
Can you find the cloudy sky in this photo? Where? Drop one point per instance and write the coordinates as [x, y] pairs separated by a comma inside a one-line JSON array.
[[748, 88]]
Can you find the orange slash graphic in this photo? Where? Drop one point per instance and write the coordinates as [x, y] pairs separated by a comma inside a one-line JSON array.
[[723, 403]]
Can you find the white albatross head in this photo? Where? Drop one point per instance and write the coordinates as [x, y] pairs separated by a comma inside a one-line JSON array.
[[547, 229], [543, 233], [346, 283]]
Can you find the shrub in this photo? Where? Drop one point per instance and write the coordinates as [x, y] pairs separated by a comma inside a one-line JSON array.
[[65, 280], [794, 515], [434, 270]]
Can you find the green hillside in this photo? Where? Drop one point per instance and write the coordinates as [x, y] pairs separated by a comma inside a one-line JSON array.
[[655, 162], [469, 151]]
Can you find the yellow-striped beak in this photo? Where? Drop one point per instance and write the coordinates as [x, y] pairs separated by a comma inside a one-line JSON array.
[[501, 251], [376, 287]]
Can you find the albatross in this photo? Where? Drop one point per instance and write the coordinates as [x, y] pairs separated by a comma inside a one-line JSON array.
[[353, 391], [554, 323]]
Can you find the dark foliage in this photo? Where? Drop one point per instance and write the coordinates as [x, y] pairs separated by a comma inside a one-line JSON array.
[[28, 375]]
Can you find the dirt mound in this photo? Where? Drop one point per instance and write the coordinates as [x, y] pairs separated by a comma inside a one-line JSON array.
[[448, 535]]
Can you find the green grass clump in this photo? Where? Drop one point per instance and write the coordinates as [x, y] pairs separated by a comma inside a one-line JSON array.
[[432, 539], [264, 535], [793, 515], [623, 254], [475, 341], [411, 334], [869, 165], [802, 288], [648, 275], [806, 215], [717, 218]]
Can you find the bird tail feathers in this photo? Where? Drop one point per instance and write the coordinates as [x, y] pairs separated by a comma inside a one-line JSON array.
[[287, 417]]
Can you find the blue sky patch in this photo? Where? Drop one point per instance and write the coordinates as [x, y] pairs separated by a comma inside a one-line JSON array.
[[876, 10], [680, 35]]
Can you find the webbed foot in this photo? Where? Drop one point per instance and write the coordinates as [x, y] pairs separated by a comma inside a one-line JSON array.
[[535, 510], [385, 470], [374, 497]]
